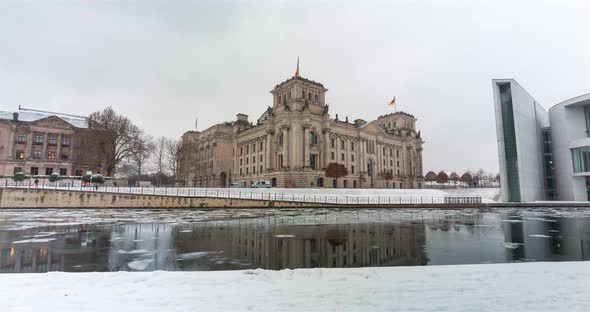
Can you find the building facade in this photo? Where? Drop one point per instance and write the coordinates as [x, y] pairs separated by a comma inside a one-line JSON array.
[[295, 139], [544, 155], [41, 143]]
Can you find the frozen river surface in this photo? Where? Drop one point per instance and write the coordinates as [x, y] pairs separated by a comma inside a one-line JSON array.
[[202, 240]]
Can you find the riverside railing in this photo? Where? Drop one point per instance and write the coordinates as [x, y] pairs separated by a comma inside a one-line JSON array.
[[255, 195]]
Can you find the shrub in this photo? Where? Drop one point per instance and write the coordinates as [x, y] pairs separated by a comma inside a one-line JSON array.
[[19, 177], [54, 177], [97, 178]]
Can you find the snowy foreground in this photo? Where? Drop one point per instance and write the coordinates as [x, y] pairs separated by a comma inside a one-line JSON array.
[[557, 286]]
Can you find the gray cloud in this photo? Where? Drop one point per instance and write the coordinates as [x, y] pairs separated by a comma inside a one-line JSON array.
[[165, 62]]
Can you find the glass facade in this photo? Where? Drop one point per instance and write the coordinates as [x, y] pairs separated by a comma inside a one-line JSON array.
[[510, 152], [581, 159], [550, 192], [587, 115]]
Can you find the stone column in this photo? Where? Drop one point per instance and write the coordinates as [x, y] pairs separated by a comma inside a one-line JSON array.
[[11, 144], [348, 161], [306, 143], [267, 151], [286, 144], [29, 152], [58, 149], [326, 158], [338, 150], [45, 145]]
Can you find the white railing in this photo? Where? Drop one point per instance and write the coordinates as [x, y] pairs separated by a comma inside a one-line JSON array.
[[245, 194]]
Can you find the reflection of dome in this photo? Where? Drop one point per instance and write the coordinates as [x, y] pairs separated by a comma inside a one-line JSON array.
[[336, 237]]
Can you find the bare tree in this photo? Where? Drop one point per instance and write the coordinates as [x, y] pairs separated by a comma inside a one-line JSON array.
[[160, 149], [126, 140], [140, 159], [173, 149]]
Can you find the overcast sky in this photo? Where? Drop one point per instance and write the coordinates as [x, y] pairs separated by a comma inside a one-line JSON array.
[[162, 63]]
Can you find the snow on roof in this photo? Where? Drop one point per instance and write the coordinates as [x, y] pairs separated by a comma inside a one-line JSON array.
[[29, 116]]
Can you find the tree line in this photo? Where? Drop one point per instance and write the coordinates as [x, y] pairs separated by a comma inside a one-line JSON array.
[[134, 153], [478, 178]]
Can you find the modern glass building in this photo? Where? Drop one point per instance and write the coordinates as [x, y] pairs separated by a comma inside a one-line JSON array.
[[544, 155]]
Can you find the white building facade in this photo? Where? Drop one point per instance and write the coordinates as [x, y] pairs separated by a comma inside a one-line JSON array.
[[544, 155]]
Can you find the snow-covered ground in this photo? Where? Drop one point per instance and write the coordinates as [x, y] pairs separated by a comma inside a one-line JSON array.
[[558, 286]]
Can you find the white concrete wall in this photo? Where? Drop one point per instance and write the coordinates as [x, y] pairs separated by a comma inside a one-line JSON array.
[[529, 119], [568, 128]]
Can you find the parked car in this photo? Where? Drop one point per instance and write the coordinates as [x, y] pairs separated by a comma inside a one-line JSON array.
[[261, 184], [238, 184]]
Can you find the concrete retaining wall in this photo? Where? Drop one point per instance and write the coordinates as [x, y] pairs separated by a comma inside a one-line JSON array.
[[63, 199]]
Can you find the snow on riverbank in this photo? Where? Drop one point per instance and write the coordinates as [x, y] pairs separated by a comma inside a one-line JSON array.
[[488, 194], [552, 287]]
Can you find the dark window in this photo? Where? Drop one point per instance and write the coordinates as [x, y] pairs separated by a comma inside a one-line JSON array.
[[64, 156], [34, 170], [352, 169], [332, 155], [352, 146], [22, 138], [38, 139], [342, 144], [78, 172], [52, 140], [17, 170], [352, 157], [316, 97], [342, 157], [313, 161], [63, 171], [313, 138], [65, 141], [48, 171], [332, 143]]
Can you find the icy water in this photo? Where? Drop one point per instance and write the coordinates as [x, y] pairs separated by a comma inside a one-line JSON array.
[[197, 240]]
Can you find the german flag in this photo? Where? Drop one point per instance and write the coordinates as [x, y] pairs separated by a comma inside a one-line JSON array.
[[392, 103]]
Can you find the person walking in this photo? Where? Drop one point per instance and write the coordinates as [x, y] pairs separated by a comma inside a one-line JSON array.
[[36, 183]]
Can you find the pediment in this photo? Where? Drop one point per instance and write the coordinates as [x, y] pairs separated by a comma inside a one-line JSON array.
[[372, 127], [53, 122]]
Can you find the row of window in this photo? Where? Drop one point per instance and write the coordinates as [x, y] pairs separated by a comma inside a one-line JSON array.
[[253, 160], [261, 148], [48, 171], [39, 139], [352, 159], [253, 170], [38, 154], [283, 98]]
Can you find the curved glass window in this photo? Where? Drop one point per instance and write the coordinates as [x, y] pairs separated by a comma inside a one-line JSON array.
[[581, 159]]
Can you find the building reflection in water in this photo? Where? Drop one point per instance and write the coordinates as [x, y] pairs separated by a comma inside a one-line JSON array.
[[73, 248], [450, 237], [260, 245], [546, 238]]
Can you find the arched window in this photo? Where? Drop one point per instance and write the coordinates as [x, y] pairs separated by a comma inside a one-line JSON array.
[[313, 138], [370, 168], [309, 95]]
